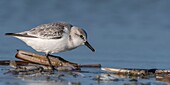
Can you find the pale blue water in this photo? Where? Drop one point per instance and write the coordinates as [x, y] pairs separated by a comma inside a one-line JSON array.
[[125, 33]]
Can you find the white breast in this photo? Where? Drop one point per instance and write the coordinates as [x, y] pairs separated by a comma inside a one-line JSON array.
[[46, 45]]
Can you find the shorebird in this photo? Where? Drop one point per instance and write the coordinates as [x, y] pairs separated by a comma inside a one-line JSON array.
[[54, 38]]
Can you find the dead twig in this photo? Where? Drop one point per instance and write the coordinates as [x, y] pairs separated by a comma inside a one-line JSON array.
[[7, 62], [42, 60], [30, 59], [90, 65]]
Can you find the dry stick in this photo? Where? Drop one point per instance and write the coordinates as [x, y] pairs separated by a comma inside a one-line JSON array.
[[29, 57], [90, 65], [55, 60], [159, 71], [40, 59], [136, 71], [7, 62], [161, 75], [163, 78]]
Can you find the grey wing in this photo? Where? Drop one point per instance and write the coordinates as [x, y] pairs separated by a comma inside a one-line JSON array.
[[49, 31]]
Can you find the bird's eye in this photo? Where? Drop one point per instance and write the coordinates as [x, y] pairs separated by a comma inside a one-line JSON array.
[[81, 36]]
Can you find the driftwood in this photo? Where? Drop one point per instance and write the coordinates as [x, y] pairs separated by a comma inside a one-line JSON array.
[[40, 59], [137, 72], [164, 78], [55, 60], [30, 59], [18, 62], [158, 74]]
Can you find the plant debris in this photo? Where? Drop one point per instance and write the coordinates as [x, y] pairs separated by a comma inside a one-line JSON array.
[[31, 63]]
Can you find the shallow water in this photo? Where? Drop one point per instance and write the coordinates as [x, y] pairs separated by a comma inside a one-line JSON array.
[[125, 34]]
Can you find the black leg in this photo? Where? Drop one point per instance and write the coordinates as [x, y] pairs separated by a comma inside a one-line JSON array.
[[49, 61]]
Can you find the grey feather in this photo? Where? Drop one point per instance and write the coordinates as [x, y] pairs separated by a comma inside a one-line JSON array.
[[49, 31]]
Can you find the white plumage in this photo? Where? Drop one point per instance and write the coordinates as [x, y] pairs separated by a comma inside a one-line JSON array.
[[54, 37]]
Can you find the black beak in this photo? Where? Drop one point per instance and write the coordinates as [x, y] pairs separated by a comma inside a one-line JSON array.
[[89, 46]]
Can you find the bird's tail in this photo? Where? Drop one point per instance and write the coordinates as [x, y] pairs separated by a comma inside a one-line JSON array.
[[19, 35]]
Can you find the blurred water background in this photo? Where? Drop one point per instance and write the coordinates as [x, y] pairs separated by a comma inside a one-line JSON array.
[[125, 33]]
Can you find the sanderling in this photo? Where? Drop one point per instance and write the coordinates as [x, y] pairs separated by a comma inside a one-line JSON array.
[[54, 38]]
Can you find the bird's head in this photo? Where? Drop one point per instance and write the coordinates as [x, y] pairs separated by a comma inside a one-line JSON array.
[[79, 37]]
